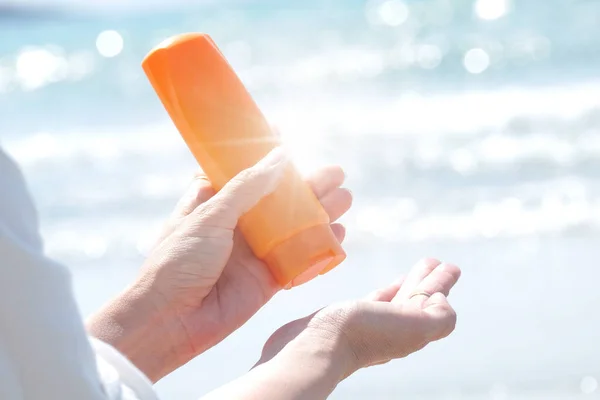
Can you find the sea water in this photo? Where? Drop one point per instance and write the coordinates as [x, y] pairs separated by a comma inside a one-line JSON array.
[[470, 131]]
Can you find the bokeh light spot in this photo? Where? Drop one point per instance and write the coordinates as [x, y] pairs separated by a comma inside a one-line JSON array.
[[491, 9], [109, 43], [393, 12], [588, 385], [476, 61]]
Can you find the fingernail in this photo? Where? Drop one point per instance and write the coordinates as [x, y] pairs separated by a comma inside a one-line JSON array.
[[274, 166], [275, 162], [275, 157]]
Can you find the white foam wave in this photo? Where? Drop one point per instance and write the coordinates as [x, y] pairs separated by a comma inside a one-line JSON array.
[[553, 208], [306, 123], [415, 113]]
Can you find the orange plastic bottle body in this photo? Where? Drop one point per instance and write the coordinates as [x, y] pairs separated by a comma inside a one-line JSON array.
[[227, 133]]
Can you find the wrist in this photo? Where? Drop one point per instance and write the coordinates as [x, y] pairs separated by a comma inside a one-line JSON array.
[[145, 331], [323, 351], [332, 326], [313, 367], [303, 369]]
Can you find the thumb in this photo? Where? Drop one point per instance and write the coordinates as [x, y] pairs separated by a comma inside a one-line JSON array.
[[442, 316], [245, 190]]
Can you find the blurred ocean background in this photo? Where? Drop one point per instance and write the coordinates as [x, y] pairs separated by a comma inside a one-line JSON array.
[[470, 131]]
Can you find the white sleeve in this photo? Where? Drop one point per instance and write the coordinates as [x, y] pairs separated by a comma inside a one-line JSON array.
[[121, 379], [45, 352]]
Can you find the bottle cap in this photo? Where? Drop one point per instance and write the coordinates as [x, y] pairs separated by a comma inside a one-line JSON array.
[[305, 255]]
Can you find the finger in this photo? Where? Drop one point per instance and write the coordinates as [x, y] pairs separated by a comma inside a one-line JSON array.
[[246, 189], [336, 203], [198, 192], [339, 231], [414, 278], [442, 315], [325, 180], [440, 280], [386, 293]]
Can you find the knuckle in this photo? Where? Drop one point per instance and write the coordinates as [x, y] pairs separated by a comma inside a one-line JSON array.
[[244, 175], [430, 262], [452, 318], [246, 183], [446, 322]]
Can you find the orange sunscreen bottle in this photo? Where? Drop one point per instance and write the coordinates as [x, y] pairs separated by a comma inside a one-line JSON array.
[[226, 132]]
